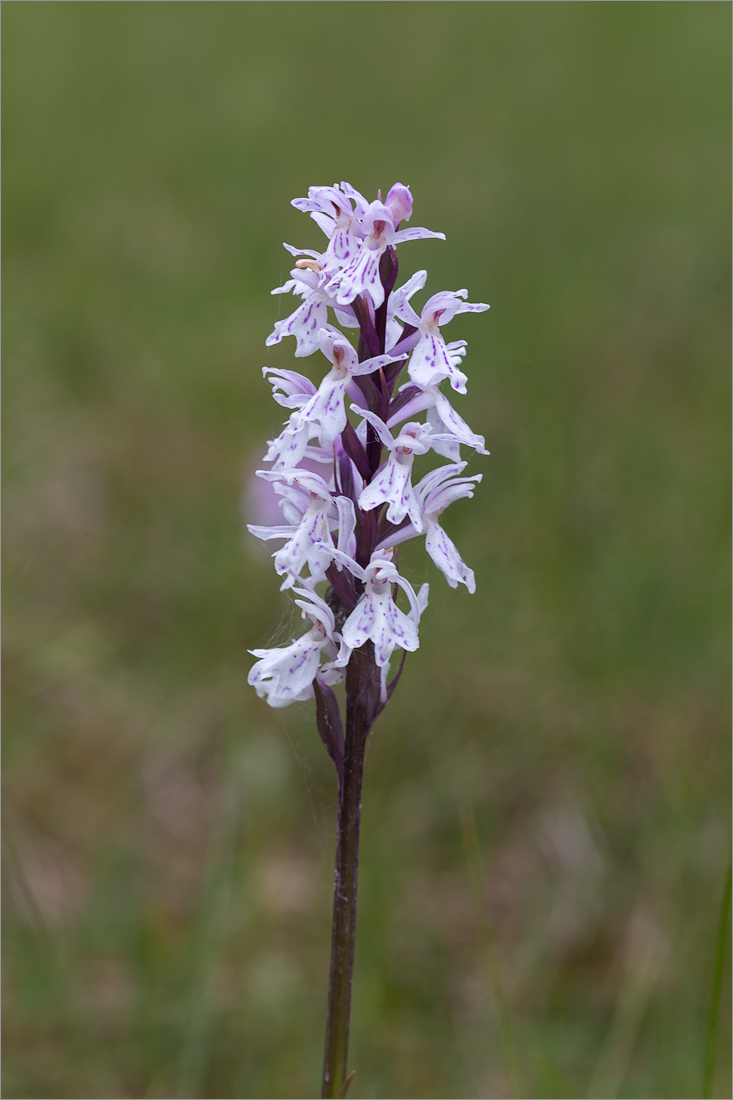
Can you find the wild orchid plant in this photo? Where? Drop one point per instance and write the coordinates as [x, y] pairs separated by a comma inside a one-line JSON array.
[[343, 477]]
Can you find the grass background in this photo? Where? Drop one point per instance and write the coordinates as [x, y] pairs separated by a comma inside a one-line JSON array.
[[546, 816]]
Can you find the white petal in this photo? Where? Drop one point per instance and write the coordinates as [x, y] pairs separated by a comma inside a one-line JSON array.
[[265, 533], [399, 300], [448, 560], [303, 324], [358, 627], [283, 676], [447, 448], [290, 446], [326, 408], [429, 362], [383, 631], [386, 488], [456, 425], [401, 629], [310, 545], [360, 275]]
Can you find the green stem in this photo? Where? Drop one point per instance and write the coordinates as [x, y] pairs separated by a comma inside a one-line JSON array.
[[343, 932], [717, 986]]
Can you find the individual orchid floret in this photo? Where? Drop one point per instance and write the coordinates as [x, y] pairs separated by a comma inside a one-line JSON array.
[[361, 274], [449, 429], [326, 407], [392, 483], [308, 318], [338, 213], [293, 443], [432, 359], [414, 614], [285, 675], [312, 315], [309, 542], [435, 492], [376, 616]]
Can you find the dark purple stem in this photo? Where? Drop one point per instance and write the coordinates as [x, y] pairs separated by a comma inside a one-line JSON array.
[[362, 703], [368, 334]]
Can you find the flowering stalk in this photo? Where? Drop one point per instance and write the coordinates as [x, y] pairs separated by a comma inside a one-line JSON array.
[[343, 477]]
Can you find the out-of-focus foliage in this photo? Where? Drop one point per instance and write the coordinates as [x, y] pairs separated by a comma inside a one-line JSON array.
[[546, 801]]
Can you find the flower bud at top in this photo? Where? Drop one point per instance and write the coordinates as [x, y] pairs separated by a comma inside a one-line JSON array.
[[399, 202]]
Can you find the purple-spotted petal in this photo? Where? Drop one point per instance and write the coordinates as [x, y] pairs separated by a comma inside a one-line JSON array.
[[445, 555], [304, 324], [360, 276], [358, 627], [430, 362], [283, 676]]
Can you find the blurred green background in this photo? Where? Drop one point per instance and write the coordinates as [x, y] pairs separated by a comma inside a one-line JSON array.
[[546, 815]]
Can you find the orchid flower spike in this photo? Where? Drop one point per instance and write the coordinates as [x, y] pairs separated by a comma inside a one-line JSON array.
[[341, 468]]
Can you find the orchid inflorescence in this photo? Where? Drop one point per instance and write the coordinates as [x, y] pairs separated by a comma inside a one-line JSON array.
[[342, 467]]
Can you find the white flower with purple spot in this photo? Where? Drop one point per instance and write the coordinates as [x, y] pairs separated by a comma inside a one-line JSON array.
[[392, 483], [377, 617], [432, 359], [308, 541], [326, 407], [435, 492], [338, 211], [449, 429], [285, 675], [361, 274], [312, 315]]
